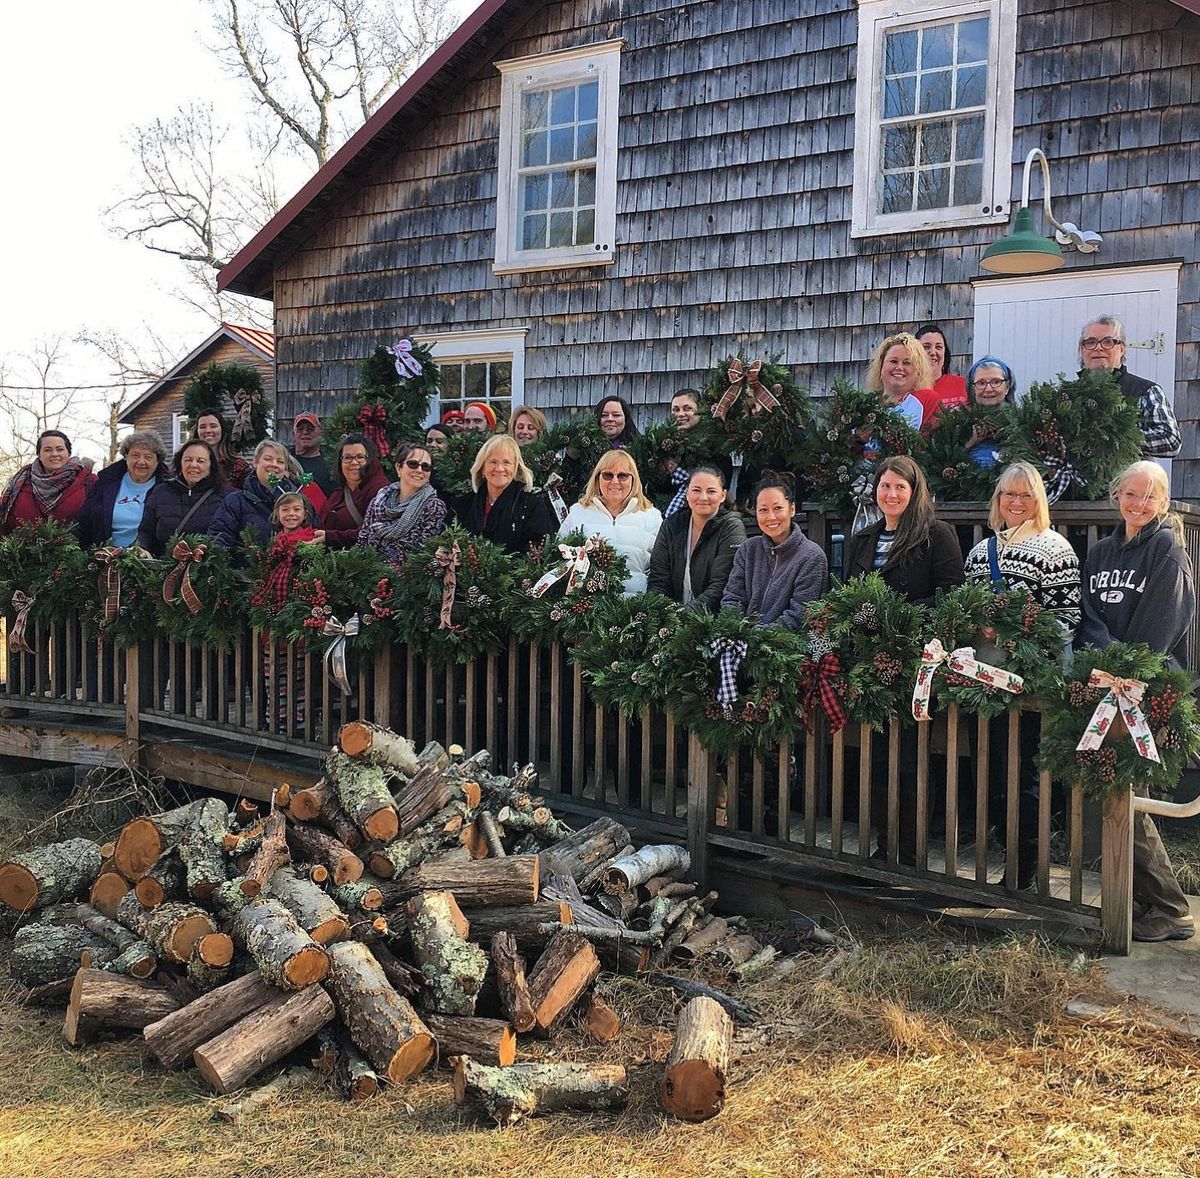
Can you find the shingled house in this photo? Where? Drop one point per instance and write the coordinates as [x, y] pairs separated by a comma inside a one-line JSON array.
[[574, 197], [160, 407]]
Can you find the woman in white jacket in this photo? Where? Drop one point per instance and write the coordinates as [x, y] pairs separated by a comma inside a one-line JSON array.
[[614, 507]]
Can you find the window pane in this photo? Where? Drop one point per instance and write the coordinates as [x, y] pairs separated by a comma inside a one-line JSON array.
[[586, 144], [900, 52], [474, 381], [933, 189], [935, 91], [451, 380], [585, 227], [970, 138], [935, 142], [899, 97], [562, 190], [968, 184], [973, 40], [562, 106], [899, 147], [587, 186], [535, 192], [501, 374], [589, 95], [897, 194], [533, 109], [937, 46], [533, 236], [972, 86], [562, 145], [562, 229], [534, 155]]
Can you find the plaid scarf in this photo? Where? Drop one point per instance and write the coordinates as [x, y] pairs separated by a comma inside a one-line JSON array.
[[276, 586], [48, 486]]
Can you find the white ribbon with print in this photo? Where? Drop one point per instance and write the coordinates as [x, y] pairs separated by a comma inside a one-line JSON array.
[[961, 661], [577, 563], [1126, 695]]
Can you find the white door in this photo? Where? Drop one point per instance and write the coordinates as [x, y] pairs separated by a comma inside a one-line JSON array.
[[1033, 323]]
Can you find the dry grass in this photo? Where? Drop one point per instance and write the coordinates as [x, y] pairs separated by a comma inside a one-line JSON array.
[[921, 1057]]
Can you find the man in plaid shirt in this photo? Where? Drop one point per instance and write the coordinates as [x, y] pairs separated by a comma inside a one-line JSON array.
[[1102, 345]]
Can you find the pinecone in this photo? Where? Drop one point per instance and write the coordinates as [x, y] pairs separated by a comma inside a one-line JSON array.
[[867, 616]]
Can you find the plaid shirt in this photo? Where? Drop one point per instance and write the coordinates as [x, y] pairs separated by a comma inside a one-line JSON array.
[[1158, 423]]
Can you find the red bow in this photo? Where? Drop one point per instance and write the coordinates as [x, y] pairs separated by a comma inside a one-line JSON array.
[[820, 681], [179, 579], [373, 419], [747, 373]]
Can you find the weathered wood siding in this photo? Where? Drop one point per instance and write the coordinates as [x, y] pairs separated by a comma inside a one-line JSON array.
[[734, 184]]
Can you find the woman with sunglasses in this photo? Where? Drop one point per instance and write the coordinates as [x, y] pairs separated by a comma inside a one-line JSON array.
[[408, 512], [358, 478], [614, 507]]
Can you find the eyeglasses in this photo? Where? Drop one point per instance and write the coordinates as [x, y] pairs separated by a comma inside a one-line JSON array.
[[620, 475], [348, 458], [413, 464], [995, 383], [1106, 341], [1019, 496]]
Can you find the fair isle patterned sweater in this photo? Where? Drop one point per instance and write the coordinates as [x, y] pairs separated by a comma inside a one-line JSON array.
[[1044, 563]]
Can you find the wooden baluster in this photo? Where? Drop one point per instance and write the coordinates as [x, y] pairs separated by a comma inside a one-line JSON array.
[[757, 800], [1076, 848], [811, 743], [983, 734], [451, 689], [39, 659], [623, 759], [410, 695], [535, 702], [256, 680], [865, 734], [471, 693], [672, 739], [133, 702], [893, 793], [489, 700], [601, 765], [510, 707], [72, 638], [923, 795], [1043, 838], [310, 697], [733, 792], [1013, 800], [556, 714], [221, 660], [700, 807], [951, 860], [239, 681], [784, 785], [189, 689], [430, 703], [578, 779], [1116, 873], [205, 712], [838, 798], [647, 785]]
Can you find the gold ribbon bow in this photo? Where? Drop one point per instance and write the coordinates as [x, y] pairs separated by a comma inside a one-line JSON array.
[[335, 652], [109, 582], [1126, 695], [961, 661], [577, 563], [244, 401], [448, 560], [22, 602], [744, 374], [179, 579]]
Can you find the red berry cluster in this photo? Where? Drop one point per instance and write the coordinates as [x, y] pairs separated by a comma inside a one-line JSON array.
[[1159, 707], [1050, 441], [887, 667]]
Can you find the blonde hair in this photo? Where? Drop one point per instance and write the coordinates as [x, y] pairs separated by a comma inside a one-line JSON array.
[[535, 415], [508, 444], [610, 461], [1027, 473], [1160, 486], [916, 354]]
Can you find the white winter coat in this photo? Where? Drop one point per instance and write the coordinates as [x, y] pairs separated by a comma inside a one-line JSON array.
[[632, 534]]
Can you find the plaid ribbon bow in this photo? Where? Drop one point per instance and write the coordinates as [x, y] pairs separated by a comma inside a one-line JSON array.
[[961, 661], [179, 579], [679, 480], [109, 582], [406, 363], [448, 560], [744, 374], [244, 401], [22, 602], [821, 685], [729, 652], [1126, 695], [577, 563], [1060, 477], [335, 652], [373, 419]]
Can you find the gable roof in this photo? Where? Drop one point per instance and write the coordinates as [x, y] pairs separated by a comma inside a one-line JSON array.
[[257, 341], [457, 61]]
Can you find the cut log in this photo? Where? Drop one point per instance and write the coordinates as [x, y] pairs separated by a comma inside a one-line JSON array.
[[292, 1078], [272, 854], [733, 951], [316, 846], [405, 978], [316, 873], [590, 881], [245, 812], [135, 957], [142, 840], [101, 1000], [229, 899], [636, 869], [378, 746], [307, 804], [49, 874], [511, 983], [561, 976], [453, 969], [429, 793], [492, 835], [363, 792], [282, 796], [201, 849], [313, 908], [285, 954], [106, 893], [655, 885], [170, 929], [479, 883], [173, 1038], [354, 1077], [579, 852], [403, 854], [599, 1021], [165, 879], [214, 949], [472, 840], [383, 1025], [324, 1050], [278, 1026], [488, 1040], [693, 1083], [359, 896], [203, 977], [523, 922], [538, 820], [507, 1095], [703, 940], [42, 953], [55, 992]]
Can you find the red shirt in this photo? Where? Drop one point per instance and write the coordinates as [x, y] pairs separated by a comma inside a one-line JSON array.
[[947, 390], [25, 507]]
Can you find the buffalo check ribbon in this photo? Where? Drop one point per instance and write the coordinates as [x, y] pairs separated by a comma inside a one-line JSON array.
[[576, 564], [820, 686], [448, 560], [729, 652], [179, 579], [244, 401], [554, 486], [1125, 695], [373, 419], [961, 661], [109, 582], [1060, 476], [741, 376], [335, 652], [406, 363], [22, 602]]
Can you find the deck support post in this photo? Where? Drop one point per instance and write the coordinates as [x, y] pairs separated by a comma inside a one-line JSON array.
[[699, 807], [1116, 874]]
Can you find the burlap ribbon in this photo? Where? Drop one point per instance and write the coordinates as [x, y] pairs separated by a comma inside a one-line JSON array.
[[373, 419], [1060, 475], [244, 401], [820, 685], [1126, 695], [729, 652], [22, 602], [961, 661], [406, 363], [744, 376], [554, 486], [448, 560], [577, 563], [335, 652], [179, 579], [109, 582]]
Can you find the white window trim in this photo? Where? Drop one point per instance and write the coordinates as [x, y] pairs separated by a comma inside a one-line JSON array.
[[499, 343], [177, 433], [875, 19], [519, 74]]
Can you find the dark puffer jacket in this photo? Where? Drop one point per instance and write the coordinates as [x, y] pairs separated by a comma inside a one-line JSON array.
[[95, 520], [248, 508], [167, 506], [517, 519]]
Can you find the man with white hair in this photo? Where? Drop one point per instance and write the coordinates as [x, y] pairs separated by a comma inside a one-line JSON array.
[[1102, 346]]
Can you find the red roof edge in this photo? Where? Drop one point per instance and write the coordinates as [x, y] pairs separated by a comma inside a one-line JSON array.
[[422, 76], [257, 339]]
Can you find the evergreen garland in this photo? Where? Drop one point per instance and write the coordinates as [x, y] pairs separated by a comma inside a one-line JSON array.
[[234, 392], [452, 468], [1170, 711], [141, 583], [222, 588], [954, 476], [775, 432], [44, 561], [568, 448]]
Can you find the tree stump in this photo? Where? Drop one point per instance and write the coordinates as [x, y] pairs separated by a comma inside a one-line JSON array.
[[102, 999], [452, 967], [49, 874], [693, 1083], [285, 954], [507, 1095], [561, 976], [174, 1037]]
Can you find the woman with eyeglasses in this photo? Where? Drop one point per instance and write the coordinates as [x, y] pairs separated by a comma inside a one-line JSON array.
[[614, 507], [1138, 587], [407, 512], [358, 478], [992, 385]]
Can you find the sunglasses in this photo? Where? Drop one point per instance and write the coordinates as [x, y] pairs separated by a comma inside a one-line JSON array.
[[620, 475], [413, 464]]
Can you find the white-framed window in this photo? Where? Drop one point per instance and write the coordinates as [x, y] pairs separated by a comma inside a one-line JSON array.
[[178, 422], [487, 366], [934, 114], [556, 202]]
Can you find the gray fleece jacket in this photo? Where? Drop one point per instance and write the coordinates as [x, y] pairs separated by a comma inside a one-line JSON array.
[[774, 582]]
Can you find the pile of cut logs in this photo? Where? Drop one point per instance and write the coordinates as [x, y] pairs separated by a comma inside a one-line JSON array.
[[380, 920]]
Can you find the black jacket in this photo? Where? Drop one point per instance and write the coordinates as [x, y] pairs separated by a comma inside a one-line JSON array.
[[517, 519], [712, 559], [94, 522], [938, 564], [166, 506]]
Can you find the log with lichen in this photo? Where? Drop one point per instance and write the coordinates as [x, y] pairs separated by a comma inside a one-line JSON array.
[[134, 957], [578, 853], [142, 840], [43, 953], [314, 909], [360, 895], [172, 930], [49, 874], [452, 967], [312, 845], [165, 879], [285, 954], [374, 745], [201, 848], [693, 1082], [363, 792], [507, 1095]]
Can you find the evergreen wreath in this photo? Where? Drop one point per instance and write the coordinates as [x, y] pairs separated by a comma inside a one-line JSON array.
[[452, 468], [1029, 635], [486, 577], [665, 442], [853, 431], [1079, 432], [568, 448], [954, 476], [1170, 710], [141, 580], [768, 704], [776, 432], [234, 392], [222, 589], [559, 616], [876, 635], [625, 657], [43, 560]]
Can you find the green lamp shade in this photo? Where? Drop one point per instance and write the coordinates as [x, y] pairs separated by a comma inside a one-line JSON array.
[[1023, 251]]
